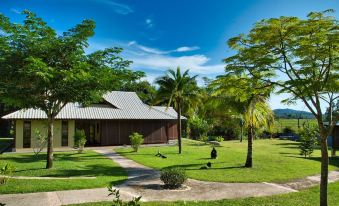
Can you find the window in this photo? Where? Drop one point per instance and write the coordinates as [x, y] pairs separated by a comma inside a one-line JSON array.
[[64, 133], [27, 134]]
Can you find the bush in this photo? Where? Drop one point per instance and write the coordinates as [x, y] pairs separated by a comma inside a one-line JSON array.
[[118, 202], [204, 138], [6, 170], [308, 140], [288, 130], [198, 127], [173, 177], [39, 143], [219, 139], [79, 140], [136, 140]]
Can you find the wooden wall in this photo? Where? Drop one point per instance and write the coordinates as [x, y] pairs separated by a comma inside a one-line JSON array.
[[116, 132], [336, 137]]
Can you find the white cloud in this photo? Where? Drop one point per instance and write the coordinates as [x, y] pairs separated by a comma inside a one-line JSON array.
[[185, 48], [119, 8], [197, 64], [149, 23], [159, 51], [16, 11], [160, 60]]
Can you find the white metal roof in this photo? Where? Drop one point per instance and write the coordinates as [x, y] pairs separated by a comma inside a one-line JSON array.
[[124, 105]]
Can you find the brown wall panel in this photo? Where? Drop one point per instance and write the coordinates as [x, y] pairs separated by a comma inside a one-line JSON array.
[[116, 132], [336, 137]]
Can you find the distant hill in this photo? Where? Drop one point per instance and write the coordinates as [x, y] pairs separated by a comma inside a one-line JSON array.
[[292, 114]]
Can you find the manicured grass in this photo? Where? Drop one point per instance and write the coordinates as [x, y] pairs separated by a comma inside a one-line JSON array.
[[280, 124], [66, 164], [274, 161], [309, 197]]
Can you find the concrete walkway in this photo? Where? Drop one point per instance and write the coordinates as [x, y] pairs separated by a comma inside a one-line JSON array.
[[144, 181]]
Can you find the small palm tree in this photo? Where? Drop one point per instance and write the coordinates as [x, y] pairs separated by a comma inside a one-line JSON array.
[[177, 89], [247, 98], [257, 114]]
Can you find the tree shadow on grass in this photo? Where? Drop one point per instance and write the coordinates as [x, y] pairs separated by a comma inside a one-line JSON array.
[[191, 167], [31, 158], [334, 161]]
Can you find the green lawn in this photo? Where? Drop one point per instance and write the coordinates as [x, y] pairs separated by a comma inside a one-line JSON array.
[[309, 197], [66, 164], [280, 124], [274, 161]]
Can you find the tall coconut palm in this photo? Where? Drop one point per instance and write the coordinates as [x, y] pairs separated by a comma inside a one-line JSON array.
[[177, 89], [248, 98]]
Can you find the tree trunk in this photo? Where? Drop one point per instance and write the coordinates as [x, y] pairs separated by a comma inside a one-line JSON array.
[[179, 126], [50, 143], [249, 147], [324, 168], [241, 132]]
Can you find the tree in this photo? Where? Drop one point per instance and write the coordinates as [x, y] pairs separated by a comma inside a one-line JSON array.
[[247, 97], [40, 69], [176, 89], [300, 57]]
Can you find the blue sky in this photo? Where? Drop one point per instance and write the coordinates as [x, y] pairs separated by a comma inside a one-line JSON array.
[[161, 34]]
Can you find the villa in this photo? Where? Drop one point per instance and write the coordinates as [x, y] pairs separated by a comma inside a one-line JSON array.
[[109, 122]]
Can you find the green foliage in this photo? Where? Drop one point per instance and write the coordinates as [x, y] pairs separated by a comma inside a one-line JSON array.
[[41, 69], [288, 130], [308, 140], [6, 171], [118, 202], [136, 140], [79, 140], [179, 90], [219, 139], [204, 138], [39, 142], [198, 127], [173, 177]]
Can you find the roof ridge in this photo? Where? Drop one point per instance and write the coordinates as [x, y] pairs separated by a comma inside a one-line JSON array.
[[153, 107]]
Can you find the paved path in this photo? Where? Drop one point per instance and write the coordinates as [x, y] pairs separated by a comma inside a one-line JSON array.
[[144, 181]]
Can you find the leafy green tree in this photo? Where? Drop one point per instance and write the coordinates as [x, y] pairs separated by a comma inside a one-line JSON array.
[[301, 58], [247, 97], [177, 89], [40, 69], [308, 139]]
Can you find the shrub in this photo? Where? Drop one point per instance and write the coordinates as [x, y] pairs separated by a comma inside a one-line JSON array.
[[308, 140], [173, 177], [39, 142], [219, 139], [198, 127], [136, 140], [79, 140], [6, 171], [288, 130], [118, 202], [204, 138]]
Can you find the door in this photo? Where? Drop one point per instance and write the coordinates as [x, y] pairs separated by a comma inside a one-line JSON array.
[[94, 137], [27, 134], [97, 133], [64, 133]]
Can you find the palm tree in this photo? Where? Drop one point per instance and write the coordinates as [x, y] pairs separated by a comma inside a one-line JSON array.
[[177, 89], [257, 114], [246, 98]]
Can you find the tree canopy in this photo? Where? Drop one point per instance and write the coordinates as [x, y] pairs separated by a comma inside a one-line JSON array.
[[299, 57], [41, 69]]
